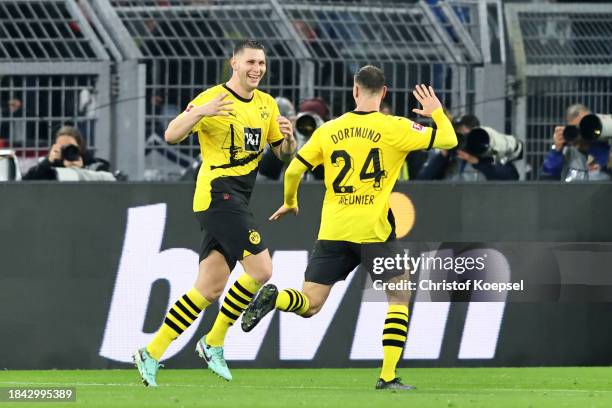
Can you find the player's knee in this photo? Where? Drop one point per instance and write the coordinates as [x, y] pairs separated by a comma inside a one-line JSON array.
[[263, 273], [266, 273], [211, 293], [259, 267]]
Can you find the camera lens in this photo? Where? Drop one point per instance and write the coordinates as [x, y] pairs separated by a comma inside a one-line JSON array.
[[306, 125], [477, 142], [570, 133], [590, 127], [71, 153]]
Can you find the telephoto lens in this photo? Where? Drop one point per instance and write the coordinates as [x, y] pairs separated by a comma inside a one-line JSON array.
[[596, 126], [487, 142], [307, 123]]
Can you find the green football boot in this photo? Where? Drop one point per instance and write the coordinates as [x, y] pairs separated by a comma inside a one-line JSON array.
[[214, 359], [147, 367]]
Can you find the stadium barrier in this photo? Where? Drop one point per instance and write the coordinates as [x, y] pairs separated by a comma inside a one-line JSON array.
[[88, 272]]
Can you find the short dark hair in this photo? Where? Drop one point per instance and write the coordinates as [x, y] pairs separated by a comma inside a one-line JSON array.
[[248, 43], [371, 78], [468, 120]]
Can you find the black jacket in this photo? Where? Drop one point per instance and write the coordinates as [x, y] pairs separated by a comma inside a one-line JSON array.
[[45, 170], [435, 169]]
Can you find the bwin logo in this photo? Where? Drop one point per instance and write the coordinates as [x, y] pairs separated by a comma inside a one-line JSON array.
[[252, 138], [143, 262]]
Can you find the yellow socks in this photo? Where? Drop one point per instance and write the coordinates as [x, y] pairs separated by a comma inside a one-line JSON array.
[[394, 339], [291, 300], [178, 319], [237, 299]]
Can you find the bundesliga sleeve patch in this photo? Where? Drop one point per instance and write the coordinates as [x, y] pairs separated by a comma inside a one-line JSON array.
[[190, 107], [418, 127]]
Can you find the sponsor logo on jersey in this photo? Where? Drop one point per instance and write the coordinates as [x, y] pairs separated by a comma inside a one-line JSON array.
[[252, 139]]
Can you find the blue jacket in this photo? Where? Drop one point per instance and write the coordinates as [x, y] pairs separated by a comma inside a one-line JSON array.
[[553, 162]]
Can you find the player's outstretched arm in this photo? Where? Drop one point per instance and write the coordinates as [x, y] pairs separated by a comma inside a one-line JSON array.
[[293, 176], [445, 134], [181, 126]]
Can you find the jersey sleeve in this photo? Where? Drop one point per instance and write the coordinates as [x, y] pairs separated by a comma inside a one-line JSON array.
[[409, 136], [199, 100], [275, 137], [311, 154], [412, 136]]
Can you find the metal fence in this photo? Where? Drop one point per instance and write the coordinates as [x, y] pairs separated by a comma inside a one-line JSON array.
[[53, 71], [120, 70], [407, 42], [314, 48], [563, 56], [186, 48]]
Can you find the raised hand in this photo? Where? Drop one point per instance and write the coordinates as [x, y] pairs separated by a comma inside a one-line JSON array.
[[427, 98], [216, 107], [558, 138], [286, 127], [55, 153]]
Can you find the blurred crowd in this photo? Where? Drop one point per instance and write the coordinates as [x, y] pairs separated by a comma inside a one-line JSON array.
[[483, 153]]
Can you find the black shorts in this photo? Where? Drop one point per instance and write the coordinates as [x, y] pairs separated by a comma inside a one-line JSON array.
[[229, 227], [332, 261]]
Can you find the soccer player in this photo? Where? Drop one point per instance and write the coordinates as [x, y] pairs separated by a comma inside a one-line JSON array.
[[362, 153], [233, 121]]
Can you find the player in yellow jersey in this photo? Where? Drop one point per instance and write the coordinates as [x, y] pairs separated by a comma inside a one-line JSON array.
[[362, 153], [233, 121]]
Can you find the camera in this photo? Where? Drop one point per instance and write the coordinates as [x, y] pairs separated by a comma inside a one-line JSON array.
[[306, 123], [71, 153], [571, 134], [595, 126], [486, 142]]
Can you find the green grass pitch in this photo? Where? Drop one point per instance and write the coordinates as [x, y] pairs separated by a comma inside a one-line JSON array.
[[345, 388]]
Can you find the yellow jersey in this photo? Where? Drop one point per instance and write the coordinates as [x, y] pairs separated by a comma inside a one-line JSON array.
[[232, 146], [362, 154]]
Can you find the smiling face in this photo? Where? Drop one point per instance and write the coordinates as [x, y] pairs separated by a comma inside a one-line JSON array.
[[249, 67]]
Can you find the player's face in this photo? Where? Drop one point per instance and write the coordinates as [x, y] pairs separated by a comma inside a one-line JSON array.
[[250, 65]]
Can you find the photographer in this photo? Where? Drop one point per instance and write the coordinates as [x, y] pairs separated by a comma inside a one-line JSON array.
[[67, 152], [482, 154], [313, 113], [572, 157]]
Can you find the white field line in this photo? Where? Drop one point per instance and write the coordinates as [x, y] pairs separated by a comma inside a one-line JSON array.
[[463, 391]]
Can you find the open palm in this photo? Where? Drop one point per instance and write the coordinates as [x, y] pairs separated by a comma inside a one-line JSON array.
[[427, 98]]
